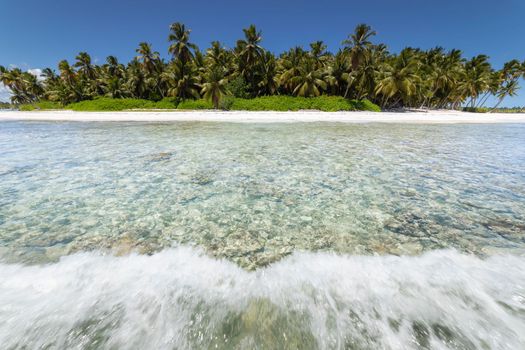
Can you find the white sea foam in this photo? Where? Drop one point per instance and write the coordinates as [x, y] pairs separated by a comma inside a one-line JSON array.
[[180, 298]]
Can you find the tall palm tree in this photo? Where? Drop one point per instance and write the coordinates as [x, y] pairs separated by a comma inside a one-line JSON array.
[[249, 53], [358, 44], [268, 82], [85, 66], [147, 57], [337, 74], [318, 52], [180, 46]]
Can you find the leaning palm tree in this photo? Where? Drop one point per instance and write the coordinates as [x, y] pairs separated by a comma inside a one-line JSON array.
[[477, 78], [510, 88], [399, 80], [214, 88]]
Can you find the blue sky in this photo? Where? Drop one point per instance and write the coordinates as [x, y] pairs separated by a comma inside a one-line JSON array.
[[39, 33]]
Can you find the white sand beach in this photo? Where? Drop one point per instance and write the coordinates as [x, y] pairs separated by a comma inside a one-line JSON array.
[[430, 117]]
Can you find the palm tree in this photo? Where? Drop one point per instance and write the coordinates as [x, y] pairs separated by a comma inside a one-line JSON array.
[[399, 79], [147, 57], [510, 88], [182, 80], [180, 46], [113, 67], [318, 53], [136, 83], [214, 88], [359, 70], [506, 81], [309, 82], [289, 67], [358, 44], [337, 73], [84, 65], [477, 78], [249, 53], [67, 73], [268, 82]]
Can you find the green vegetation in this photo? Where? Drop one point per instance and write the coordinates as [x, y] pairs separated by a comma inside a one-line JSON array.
[[40, 105], [288, 103], [250, 77], [264, 103], [108, 104], [494, 110], [194, 104], [5, 105]]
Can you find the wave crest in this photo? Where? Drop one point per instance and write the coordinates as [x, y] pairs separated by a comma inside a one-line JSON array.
[[180, 298]]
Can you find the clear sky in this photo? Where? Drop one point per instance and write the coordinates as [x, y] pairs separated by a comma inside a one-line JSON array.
[[39, 33]]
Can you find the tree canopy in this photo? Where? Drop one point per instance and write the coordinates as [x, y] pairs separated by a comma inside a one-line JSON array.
[[361, 69]]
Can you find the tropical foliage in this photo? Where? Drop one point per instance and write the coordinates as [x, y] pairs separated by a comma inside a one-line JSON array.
[[360, 70], [263, 103]]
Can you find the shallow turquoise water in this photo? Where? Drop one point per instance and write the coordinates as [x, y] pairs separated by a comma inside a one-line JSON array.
[[428, 223], [254, 193]]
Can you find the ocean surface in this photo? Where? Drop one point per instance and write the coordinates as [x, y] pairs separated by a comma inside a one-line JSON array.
[[193, 235]]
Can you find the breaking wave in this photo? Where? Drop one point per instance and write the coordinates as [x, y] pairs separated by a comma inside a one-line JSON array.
[[180, 298]]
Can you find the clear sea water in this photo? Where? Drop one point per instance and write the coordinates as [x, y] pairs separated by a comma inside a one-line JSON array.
[[261, 236]]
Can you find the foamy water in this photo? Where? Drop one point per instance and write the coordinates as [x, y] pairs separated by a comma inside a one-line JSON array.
[[180, 299]]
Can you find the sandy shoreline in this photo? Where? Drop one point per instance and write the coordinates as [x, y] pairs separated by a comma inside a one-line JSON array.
[[433, 117]]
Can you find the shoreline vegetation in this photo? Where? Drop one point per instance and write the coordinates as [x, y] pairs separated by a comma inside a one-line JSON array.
[[361, 75], [264, 103]]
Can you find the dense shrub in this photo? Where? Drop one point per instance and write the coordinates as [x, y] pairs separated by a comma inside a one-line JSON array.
[[289, 103], [475, 109], [366, 105], [5, 105], [264, 103], [166, 103], [42, 105], [195, 104], [26, 108], [109, 104]]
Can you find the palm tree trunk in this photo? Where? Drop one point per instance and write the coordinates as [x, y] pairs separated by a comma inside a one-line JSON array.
[[483, 99], [497, 104]]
